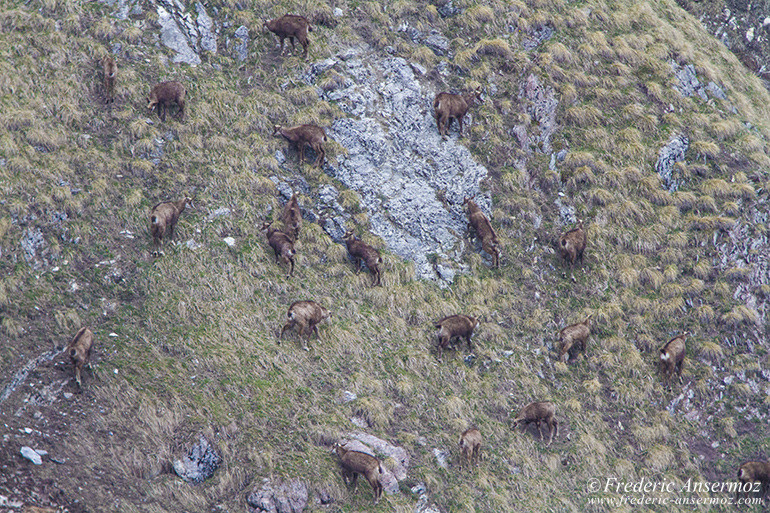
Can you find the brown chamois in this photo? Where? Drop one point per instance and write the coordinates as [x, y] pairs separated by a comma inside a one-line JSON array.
[[754, 472], [292, 217], [448, 106], [163, 218], [539, 412], [455, 326], [291, 26], [302, 135], [572, 244], [484, 231], [354, 463], [574, 336], [79, 350], [361, 252], [282, 245], [110, 69], [163, 94], [306, 315], [470, 446], [672, 356]]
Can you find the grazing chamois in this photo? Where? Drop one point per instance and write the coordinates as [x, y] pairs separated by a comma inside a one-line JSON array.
[[302, 135], [672, 356], [79, 349], [282, 245], [448, 106], [110, 69], [292, 217], [163, 94], [291, 26], [356, 462], [163, 218], [362, 252], [454, 326], [574, 336], [470, 446], [484, 231], [572, 244], [306, 315], [754, 472], [539, 412]]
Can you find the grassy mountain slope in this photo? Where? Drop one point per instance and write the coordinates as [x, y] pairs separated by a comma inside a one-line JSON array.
[[186, 343]]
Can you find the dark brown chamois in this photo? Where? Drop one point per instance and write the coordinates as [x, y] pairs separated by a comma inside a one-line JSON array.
[[163, 218], [291, 26], [163, 94], [672, 356], [572, 244], [470, 446], [448, 106], [754, 472], [539, 412], [306, 315], [282, 245], [79, 349], [292, 218], [361, 252], [302, 135], [484, 231], [574, 336], [454, 326], [110, 69], [354, 463]]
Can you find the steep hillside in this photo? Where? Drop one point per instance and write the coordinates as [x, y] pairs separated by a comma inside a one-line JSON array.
[[626, 115]]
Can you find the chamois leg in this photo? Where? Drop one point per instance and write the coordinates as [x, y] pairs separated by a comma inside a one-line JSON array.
[[289, 325], [293, 46], [460, 121]]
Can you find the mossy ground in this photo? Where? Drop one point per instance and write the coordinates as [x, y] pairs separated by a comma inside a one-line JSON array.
[[195, 347]]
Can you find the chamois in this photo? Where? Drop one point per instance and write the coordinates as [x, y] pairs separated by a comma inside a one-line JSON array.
[[110, 73], [470, 446], [484, 231], [455, 326], [79, 349], [672, 356], [306, 315], [575, 336], [360, 251], [302, 135], [282, 245], [754, 472], [448, 106], [572, 244], [292, 218], [291, 26], [163, 218], [356, 462], [163, 94], [539, 412]]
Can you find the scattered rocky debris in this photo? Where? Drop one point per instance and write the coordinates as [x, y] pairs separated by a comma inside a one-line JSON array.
[[538, 35], [200, 462], [22, 373], [690, 85], [183, 34], [669, 155], [242, 47], [442, 457], [540, 103], [31, 455], [423, 506], [280, 497]]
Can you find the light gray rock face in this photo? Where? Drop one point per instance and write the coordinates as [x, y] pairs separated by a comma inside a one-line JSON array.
[[185, 34], [281, 497], [242, 47], [540, 103], [200, 462], [669, 155], [370, 444], [689, 84], [410, 181]]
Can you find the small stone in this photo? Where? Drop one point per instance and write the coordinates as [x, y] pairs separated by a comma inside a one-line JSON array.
[[358, 421], [442, 456], [229, 241], [113, 335], [27, 430], [41, 452], [337, 12], [750, 35], [31, 455], [348, 396]]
